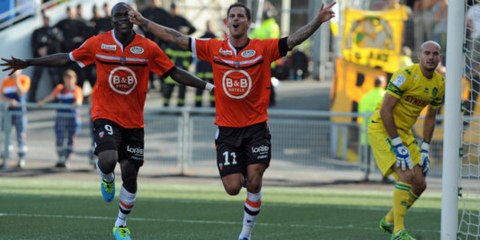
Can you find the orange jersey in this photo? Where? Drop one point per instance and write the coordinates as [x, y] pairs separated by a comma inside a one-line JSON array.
[[8, 89], [122, 75], [241, 79], [64, 95]]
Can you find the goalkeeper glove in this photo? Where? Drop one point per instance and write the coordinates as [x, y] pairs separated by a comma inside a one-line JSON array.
[[425, 158], [403, 155]]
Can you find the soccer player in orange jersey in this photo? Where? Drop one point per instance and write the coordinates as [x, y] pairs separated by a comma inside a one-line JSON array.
[[123, 60], [241, 75]]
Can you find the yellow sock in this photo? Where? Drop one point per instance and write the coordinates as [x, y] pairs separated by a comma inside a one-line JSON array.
[[411, 200], [401, 194]]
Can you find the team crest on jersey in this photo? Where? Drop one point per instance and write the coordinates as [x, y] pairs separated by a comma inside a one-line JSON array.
[[109, 47], [399, 80], [248, 53], [225, 52], [435, 91], [136, 50], [237, 84], [122, 80]]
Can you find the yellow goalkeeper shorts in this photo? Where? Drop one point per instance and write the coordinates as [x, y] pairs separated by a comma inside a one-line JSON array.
[[383, 152]]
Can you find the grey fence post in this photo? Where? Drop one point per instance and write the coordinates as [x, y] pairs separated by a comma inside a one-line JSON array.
[[7, 129]]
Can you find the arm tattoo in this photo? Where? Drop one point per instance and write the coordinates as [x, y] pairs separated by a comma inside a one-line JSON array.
[[179, 38], [303, 33]]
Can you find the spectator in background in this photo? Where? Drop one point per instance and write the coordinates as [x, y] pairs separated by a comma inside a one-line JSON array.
[[45, 41], [367, 105], [268, 29], [13, 92], [181, 57], [204, 70], [299, 65], [73, 33], [423, 17], [473, 63], [440, 20], [473, 25], [89, 71], [101, 24], [405, 57], [79, 12], [157, 14], [67, 120]]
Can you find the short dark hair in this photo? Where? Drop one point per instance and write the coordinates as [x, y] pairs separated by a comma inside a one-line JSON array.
[[247, 11], [379, 81]]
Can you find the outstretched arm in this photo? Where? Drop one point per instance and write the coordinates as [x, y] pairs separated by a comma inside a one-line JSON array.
[[184, 77], [50, 97], [164, 33], [54, 60], [323, 15]]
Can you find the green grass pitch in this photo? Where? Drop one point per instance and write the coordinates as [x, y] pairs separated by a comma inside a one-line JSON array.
[[48, 209]]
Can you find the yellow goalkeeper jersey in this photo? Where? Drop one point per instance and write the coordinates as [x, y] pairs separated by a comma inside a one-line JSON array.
[[414, 92]]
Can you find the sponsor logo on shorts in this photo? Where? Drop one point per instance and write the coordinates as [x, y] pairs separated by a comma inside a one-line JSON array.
[[109, 47], [260, 149], [135, 150], [101, 134]]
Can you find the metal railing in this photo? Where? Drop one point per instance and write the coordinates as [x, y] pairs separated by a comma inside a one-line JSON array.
[[182, 139]]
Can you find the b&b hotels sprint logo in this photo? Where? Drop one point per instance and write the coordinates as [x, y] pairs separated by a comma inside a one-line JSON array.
[[122, 80], [237, 84]]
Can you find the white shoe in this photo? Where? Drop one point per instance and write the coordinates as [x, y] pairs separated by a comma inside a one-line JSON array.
[[21, 163]]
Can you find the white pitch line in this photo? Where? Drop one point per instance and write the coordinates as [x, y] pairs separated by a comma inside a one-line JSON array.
[[350, 226], [175, 221]]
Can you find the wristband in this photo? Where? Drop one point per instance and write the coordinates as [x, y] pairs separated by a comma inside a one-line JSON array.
[[396, 141], [209, 87], [425, 146]]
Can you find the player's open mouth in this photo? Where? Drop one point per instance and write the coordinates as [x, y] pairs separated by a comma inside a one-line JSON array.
[[235, 25]]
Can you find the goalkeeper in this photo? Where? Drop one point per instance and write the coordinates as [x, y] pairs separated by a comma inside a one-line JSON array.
[[396, 152]]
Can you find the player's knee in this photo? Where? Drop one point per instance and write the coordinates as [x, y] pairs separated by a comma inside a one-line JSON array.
[[421, 186], [254, 184], [406, 177], [107, 160], [232, 189]]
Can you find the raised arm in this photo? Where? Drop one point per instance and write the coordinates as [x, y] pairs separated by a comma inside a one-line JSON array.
[[323, 15], [54, 60], [184, 77], [164, 33]]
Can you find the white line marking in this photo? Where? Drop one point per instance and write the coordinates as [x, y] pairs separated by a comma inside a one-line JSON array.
[[350, 226], [171, 220]]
